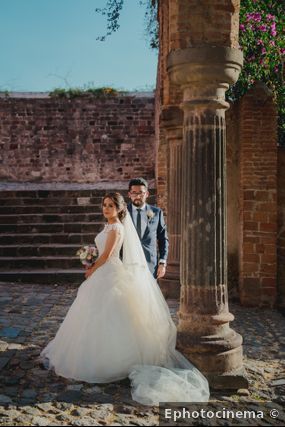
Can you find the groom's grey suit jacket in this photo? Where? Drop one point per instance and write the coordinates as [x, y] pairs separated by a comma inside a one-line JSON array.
[[155, 237]]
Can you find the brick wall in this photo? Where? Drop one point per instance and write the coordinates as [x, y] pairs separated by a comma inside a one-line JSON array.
[[281, 228], [233, 235], [258, 198], [85, 139], [198, 23]]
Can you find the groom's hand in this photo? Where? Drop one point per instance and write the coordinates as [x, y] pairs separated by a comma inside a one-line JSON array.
[[161, 271]]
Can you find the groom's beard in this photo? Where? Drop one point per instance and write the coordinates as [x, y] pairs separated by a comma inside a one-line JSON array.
[[138, 203]]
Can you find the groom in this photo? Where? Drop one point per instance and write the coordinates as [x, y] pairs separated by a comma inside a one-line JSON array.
[[150, 225]]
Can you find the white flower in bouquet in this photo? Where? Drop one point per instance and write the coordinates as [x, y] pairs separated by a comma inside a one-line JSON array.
[[87, 255]]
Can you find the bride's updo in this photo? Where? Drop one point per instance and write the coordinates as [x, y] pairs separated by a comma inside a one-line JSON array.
[[120, 204]]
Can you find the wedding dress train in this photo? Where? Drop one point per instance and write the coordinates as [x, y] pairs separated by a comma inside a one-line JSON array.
[[120, 326]]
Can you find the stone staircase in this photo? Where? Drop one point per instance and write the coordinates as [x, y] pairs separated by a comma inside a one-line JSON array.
[[41, 230]]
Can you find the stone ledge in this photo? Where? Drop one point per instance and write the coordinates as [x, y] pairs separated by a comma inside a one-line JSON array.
[[44, 95], [102, 185]]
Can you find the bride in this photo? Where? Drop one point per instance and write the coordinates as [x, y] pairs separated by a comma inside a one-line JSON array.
[[120, 326]]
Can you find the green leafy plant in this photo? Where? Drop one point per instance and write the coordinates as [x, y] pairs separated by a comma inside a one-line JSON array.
[[112, 12], [262, 40], [5, 93], [91, 91]]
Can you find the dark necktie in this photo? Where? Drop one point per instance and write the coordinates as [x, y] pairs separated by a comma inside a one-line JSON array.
[[139, 223]]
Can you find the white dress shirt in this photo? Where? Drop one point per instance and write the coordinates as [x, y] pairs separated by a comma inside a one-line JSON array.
[[144, 218]]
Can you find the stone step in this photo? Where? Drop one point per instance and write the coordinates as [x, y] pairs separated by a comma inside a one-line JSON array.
[[47, 238], [45, 194], [51, 276], [41, 230], [57, 198], [40, 263], [57, 209], [39, 250], [67, 201], [52, 218], [63, 228]]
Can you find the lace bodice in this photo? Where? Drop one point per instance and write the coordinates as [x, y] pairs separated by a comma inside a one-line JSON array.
[[101, 238]]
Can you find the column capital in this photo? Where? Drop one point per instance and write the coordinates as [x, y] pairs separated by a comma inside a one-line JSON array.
[[204, 73]]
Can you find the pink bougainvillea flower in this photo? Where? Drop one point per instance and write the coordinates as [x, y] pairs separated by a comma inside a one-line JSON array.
[[263, 28], [257, 17]]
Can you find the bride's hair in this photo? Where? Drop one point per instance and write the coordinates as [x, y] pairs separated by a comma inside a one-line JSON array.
[[120, 203]]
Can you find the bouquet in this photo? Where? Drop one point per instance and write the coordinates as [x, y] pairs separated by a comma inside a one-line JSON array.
[[88, 255]]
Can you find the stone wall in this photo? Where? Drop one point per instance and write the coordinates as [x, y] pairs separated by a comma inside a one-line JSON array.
[[82, 140]]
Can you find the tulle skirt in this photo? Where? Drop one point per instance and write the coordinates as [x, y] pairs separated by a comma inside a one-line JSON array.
[[119, 326]]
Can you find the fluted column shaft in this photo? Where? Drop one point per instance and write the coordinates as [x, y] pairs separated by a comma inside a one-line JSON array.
[[204, 332], [172, 122]]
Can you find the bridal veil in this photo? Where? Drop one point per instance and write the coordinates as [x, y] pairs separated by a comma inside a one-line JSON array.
[[172, 378]]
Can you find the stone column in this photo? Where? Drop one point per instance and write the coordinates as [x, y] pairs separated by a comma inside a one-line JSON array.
[[204, 334], [172, 123]]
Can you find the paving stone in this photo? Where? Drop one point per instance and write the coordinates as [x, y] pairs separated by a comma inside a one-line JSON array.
[[64, 406], [278, 382], [9, 332], [24, 419], [5, 399], [4, 361], [40, 421], [31, 410], [92, 390], [15, 346], [76, 387], [3, 346], [11, 391], [70, 396], [80, 412], [29, 394], [46, 407], [85, 422], [64, 417]]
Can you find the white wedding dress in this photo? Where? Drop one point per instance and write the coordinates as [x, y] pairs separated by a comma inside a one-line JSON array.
[[119, 326]]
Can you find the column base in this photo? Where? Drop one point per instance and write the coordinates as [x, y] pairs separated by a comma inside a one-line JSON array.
[[216, 355], [229, 381], [170, 287], [170, 284]]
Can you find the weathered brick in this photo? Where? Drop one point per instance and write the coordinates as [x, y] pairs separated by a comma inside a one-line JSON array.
[[85, 139]]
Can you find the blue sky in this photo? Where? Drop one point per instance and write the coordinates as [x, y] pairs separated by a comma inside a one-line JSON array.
[[46, 44]]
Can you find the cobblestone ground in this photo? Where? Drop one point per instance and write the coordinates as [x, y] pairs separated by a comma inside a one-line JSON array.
[[29, 395]]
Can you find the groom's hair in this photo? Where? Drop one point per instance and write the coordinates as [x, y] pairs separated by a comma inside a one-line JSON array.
[[138, 181]]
